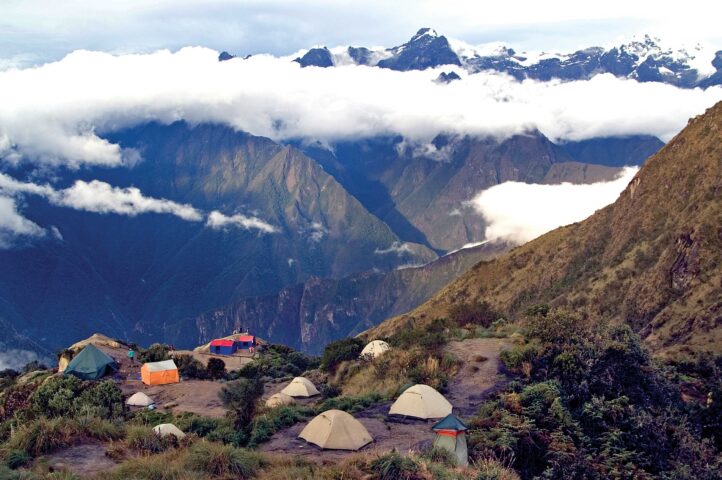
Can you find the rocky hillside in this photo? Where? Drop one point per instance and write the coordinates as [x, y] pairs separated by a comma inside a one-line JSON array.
[[309, 315], [653, 259]]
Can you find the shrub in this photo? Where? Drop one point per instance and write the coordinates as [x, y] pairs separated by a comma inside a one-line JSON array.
[[103, 400], [475, 313], [223, 460], [17, 458], [339, 351], [157, 352], [145, 441], [281, 417], [216, 368], [439, 455], [350, 404], [394, 466], [240, 398], [56, 397], [189, 367]]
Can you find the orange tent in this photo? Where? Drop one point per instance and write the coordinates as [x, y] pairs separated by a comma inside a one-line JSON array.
[[159, 373]]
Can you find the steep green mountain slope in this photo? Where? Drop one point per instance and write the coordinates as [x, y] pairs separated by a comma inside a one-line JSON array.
[[653, 259], [421, 192]]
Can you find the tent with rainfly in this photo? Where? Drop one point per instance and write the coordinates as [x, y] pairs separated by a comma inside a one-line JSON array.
[[91, 364], [139, 399], [451, 435], [300, 387], [421, 401], [374, 349], [159, 373], [336, 430]]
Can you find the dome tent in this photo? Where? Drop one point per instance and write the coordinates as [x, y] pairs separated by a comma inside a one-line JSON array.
[[336, 430], [91, 364], [421, 401], [300, 387], [375, 348], [279, 399], [165, 429], [451, 436], [139, 399]]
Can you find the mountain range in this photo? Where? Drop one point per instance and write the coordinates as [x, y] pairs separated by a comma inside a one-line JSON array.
[[652, 259], [644, 58]]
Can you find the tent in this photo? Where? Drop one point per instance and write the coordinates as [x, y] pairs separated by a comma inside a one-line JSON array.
[[451, 436], [336, 430], [91, 364], [300, 387], [245, 342], [139, 399], [159, 373], [421, 401], [165, 429], [279, 399], [223, 347], [375, 348]]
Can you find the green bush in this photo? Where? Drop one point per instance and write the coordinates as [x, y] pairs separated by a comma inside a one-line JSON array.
[[350, 404], [216, 368], [223, 460], [240, 398], [145, 441], [17, 458], [276, 419], [103, 400], [339, 351], [57, 396], [157, 352], [189, 367], [394, 466]]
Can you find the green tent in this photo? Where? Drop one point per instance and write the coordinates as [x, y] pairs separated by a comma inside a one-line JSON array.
[[91, 364], [451, 436]]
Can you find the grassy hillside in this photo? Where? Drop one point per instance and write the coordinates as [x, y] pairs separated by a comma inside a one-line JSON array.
[[652, 259]]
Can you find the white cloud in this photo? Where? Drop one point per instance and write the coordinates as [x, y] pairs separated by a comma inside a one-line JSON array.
[[13, 224], [520, 212], [16, 359], [217, 220], [52, 113], [398, 248], [100, 197]]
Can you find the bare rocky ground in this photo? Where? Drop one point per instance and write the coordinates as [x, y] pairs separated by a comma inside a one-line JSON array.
[[478, 376], [85, 460]]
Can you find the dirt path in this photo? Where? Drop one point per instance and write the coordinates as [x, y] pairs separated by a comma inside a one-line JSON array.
[[83, 460], [465, 392], [478, 374]]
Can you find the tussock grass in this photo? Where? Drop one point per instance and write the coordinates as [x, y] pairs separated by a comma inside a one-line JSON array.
[[45, 435], [223, 460]]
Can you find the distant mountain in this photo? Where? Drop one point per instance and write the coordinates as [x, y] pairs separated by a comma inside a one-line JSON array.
[[307, 316], [130, 275], [421, 192], [644, 59], [652, 259]]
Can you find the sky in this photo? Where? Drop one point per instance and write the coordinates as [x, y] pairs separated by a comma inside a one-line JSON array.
[[35, 31]]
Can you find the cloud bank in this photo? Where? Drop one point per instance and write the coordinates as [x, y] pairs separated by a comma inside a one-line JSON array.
[[100, 197], [53, 113], [520, 212]]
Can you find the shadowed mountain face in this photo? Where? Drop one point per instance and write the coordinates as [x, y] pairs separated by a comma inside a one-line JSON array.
[[421, 192], [652, 259], [307, 316], [128, 276]]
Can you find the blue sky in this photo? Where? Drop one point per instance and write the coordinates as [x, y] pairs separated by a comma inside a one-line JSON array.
[[35, 31]]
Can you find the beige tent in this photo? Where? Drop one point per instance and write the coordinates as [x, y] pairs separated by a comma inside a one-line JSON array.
[[421, 401], [375, 348], [279, 399], [336, 430], [139, 399], [165, 429], [300, 387]]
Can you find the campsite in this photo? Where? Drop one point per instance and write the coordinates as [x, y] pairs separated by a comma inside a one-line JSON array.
[[324, 425]]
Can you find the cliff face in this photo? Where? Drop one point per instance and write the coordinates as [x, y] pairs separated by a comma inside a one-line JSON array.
[[309, 315], [652, 259]]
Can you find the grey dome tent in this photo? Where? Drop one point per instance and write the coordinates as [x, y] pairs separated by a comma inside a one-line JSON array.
[[91, 364], [451, 436]]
